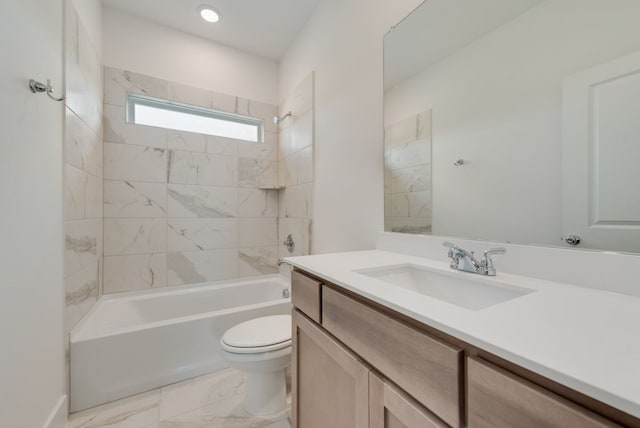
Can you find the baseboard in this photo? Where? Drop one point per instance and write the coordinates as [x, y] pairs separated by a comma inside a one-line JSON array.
[[58, 416]]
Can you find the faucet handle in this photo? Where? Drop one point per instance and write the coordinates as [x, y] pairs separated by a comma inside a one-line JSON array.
[[500, 250], [487, 262], [452, 247], [452, 252]]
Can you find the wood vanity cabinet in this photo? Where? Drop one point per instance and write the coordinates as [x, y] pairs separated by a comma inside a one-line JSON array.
[[390, 407], [330, 384], [357, 364], [498, 399], [426, 368], [305, 295]]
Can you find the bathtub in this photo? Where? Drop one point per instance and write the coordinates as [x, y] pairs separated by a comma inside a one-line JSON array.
[[133, 342]]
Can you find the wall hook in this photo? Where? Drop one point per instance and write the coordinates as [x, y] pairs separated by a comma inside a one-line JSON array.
[[458, 162], [37, 87]]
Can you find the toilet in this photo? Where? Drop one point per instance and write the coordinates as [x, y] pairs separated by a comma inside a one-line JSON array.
[[261, 348]]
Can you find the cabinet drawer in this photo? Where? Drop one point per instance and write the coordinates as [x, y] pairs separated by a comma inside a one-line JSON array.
[[498, 398], [426, 368], [305, 295]]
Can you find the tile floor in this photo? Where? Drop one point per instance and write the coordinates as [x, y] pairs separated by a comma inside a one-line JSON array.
[[211, 401]]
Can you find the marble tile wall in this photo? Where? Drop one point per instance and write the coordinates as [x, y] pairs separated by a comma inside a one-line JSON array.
[[408, 189], [297, 169], [182, 208], [83, 171]]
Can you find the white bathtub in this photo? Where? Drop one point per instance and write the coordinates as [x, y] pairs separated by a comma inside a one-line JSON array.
[[133, 342]]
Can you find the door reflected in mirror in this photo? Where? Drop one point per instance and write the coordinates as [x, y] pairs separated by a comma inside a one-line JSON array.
[[515, 121]]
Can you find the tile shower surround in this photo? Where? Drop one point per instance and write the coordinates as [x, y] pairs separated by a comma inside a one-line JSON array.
[[183, 208], [407, 183], [83, 171], [296, 173]]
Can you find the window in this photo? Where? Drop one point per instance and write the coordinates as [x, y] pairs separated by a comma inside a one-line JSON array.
[[149, 111]]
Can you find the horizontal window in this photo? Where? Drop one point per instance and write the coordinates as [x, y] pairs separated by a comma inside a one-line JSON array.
[[143, 110]]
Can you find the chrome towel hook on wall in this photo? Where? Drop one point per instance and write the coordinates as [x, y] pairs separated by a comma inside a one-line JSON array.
[[37, 87]]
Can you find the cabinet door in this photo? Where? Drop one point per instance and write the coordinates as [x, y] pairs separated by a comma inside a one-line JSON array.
[[389, 407], [499, 399], [330, 385]]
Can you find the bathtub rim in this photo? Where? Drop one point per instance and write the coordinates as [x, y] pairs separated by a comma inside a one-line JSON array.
[[78, 335]]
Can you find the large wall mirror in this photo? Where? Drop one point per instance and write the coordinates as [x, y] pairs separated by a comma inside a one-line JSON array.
[[515, 121]]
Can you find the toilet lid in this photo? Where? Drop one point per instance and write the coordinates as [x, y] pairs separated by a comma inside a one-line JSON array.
[[259, 332]]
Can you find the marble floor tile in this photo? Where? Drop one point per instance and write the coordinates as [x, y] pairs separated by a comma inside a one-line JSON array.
[[132, 412], [212, 401], [227, 413], [199, 392]]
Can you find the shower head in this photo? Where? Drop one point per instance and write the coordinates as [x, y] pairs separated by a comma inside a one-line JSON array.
[[277, 120]]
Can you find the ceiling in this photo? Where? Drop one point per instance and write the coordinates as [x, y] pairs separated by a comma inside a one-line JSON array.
[[261, 27]]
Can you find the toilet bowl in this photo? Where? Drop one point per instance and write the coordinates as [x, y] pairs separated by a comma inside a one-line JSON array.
[[261, 348]]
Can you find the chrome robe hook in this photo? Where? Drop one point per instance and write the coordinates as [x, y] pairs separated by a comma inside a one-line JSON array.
[[37, 87]]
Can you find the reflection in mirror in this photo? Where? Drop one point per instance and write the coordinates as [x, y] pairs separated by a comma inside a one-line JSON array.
[[515, 120], [407, 148]]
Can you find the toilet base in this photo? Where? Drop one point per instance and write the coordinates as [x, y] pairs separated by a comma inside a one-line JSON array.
[[265, 393]]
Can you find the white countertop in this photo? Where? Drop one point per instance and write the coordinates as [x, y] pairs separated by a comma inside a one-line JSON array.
[[586, 339]]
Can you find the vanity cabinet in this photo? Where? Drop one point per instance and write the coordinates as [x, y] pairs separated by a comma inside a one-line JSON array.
[[359, 364], [427, 368], [498, 399], [390, 407], [305, 295], [330, 384]]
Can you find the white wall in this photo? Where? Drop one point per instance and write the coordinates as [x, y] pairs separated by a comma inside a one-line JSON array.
[[31, 290], [138, 45], [342, 42], [497, 105]]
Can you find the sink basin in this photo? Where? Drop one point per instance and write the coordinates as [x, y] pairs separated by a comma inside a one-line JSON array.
[[459, 288]]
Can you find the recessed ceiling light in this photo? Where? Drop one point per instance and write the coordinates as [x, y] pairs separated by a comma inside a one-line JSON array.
[[209, 14]]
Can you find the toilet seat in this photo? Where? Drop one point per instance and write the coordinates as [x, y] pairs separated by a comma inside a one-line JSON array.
[[258, 335]]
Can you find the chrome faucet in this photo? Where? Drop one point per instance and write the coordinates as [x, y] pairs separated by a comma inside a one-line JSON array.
[[466, 261]]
